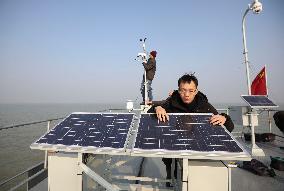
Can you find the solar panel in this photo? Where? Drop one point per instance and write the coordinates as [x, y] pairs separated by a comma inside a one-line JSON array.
[[258, 101], [93, 132], [185, 136]]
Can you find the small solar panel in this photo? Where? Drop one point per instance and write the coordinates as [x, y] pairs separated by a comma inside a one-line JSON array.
[[258, 101], [96, 130], [184, 134]]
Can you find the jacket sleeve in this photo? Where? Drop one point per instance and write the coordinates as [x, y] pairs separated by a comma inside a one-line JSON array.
[[228, 124], [167, 104], [149, 65], [163, 103]]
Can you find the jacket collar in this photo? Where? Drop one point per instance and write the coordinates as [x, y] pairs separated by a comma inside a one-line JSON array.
[[199, 100]]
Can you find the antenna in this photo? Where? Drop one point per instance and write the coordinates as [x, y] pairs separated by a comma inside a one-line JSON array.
[[143, 57]]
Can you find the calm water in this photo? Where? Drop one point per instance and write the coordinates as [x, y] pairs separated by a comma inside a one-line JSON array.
[[15, 154]]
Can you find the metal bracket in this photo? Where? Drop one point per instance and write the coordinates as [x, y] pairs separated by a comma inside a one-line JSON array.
[[97, 178]]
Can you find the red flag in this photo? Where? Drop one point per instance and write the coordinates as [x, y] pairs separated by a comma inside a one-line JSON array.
[[258, 86]]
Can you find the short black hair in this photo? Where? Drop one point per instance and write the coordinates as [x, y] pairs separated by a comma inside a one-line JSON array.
[[187, 78]]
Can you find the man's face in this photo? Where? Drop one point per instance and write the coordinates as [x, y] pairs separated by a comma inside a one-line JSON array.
[[187, 91]]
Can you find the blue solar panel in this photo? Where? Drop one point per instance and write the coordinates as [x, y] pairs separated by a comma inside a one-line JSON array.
[[258, 101], [88, 129], [183, 132]]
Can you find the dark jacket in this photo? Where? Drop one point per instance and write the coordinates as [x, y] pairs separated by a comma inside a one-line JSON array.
[[279, 120], [150, 68], [200, 104]]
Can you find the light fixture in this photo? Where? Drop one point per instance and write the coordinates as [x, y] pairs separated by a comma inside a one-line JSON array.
[[256, 7]]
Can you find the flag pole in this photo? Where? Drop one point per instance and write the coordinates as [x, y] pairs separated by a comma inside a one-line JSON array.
[[268, 111], [266, 80]]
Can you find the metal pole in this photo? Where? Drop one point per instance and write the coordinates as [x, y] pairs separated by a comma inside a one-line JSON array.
[[266, 83], [145, 79], [145, 88], [96, 177], [252, 131], [246, 51], [184, 174], [45, 154], [255, 150], [269, 121], [229, 178]]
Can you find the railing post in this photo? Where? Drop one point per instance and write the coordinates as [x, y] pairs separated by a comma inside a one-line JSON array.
[[269, 121], [45, 155]]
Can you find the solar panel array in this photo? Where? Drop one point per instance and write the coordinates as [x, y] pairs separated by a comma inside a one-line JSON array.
[[258, 101], [184, 136], [90, 130], [183, 132]]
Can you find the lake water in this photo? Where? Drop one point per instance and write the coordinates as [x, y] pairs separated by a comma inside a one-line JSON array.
[[15, 154]]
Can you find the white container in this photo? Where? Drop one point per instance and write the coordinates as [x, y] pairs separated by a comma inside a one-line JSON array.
[[129, 105]]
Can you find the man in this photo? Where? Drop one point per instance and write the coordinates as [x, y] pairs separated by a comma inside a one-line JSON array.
[[187, 99], [279, 120], [150, 68]]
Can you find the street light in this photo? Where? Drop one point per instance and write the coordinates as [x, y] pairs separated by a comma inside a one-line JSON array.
[[256, 7]]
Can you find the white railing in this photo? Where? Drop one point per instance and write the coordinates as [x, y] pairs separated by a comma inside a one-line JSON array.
[[34, 171]]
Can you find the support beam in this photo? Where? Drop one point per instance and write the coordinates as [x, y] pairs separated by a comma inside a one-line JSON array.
[[98, 178]]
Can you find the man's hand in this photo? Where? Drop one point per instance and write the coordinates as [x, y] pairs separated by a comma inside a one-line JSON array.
[[217, 120], [161, 114]]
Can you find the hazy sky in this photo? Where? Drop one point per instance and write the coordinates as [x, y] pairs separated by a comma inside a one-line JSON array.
[[82, 51]]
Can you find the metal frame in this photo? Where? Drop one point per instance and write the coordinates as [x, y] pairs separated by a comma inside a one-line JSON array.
[[244, 156], [133, 134], [256, 150], [96, 177], [20, 174], [120, 186]]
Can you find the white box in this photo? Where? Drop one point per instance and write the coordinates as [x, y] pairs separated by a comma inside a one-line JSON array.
[[207, 176], [64, 172], [240, 116]]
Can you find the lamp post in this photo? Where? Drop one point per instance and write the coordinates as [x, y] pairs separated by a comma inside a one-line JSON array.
[[256, 7]]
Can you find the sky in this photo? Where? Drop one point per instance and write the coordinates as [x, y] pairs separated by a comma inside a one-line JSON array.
[[83, 51]]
